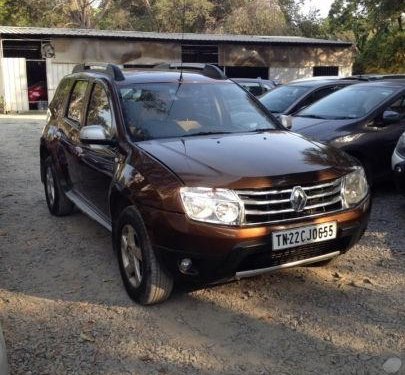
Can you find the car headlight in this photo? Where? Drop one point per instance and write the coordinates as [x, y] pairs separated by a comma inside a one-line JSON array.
[[219, 206], [354, 187], [400, 149]]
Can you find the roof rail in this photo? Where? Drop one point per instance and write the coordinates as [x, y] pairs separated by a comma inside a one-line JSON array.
[[208, 70], [112, 70]]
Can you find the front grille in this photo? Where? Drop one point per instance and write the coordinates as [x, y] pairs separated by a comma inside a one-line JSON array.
[[272, 205], [269, 258]]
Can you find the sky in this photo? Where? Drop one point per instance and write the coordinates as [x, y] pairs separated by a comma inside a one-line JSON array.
[[322, 5]]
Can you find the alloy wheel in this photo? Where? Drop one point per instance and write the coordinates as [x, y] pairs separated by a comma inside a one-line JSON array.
[[131, 255]]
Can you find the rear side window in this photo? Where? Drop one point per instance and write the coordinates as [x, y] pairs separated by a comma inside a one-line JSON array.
[[398, 106], [254, 88], [99, 112], [76, 101], [58, 100]]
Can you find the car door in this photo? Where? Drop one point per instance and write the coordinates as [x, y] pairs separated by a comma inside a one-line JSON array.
[[69, 133], [98, 161]]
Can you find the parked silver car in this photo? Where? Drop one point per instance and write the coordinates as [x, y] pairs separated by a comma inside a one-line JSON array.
[[3, 356]]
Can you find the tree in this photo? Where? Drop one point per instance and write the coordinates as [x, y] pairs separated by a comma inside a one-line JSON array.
[[169, 15], [260, 17], [375, 26]]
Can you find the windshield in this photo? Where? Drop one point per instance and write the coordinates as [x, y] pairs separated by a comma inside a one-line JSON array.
[[349, 103], [279, 99], [165, 110]]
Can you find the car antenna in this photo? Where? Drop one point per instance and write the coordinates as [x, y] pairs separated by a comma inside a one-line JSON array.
[[183, 20]]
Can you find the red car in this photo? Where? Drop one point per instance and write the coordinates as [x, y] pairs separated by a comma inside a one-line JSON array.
[[37, 92]]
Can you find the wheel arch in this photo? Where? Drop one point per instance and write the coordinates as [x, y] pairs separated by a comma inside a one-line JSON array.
[[43, 155], [117, 203], [364, 161]]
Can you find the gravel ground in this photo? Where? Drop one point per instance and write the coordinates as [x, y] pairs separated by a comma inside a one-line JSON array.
[[64, 310]]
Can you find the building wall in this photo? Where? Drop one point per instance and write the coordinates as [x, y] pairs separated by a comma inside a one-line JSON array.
[[284, 56], [54, 73], [287, 63], [346, 71], [288, 74], [15, 84], [81, 50]]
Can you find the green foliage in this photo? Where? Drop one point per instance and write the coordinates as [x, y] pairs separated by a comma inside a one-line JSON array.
[[28, 13], [383, 53], [258, 17], [375, 26], [236, 16], [169, 15]]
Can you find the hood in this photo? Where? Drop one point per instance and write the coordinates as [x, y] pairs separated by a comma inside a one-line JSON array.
[[321, 129], [246, 160]]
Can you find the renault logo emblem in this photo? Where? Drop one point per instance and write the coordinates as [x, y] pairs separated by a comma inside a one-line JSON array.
[[298, 199]]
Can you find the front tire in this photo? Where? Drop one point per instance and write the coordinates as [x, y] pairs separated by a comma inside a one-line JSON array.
[[58, 203], [146, 281]]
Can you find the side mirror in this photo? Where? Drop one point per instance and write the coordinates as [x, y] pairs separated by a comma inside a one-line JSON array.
[[390, 117], [95, 135], [286, 121]]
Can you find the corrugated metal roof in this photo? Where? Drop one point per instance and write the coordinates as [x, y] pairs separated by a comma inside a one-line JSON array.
[[215, 38]]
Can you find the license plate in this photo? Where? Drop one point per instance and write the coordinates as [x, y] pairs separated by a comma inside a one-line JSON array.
[[304, 235]]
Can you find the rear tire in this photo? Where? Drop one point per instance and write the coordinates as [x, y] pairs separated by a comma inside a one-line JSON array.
[[56, 199], [146, 281]]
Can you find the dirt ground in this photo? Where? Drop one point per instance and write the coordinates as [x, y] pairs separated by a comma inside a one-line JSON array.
[[64, 310]]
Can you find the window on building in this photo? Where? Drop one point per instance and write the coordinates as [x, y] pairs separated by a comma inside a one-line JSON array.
[[325, 71], [76, 100], [199, 54], [247, 72]]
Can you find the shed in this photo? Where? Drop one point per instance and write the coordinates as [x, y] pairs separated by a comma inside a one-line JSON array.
[[32, 57]]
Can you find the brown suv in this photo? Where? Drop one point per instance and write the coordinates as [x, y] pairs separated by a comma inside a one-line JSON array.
[[197, 181]]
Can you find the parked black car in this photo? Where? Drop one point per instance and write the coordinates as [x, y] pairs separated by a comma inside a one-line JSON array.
[[365, 120], [375, 77], [256, 86], [398, 164], [290, 98]]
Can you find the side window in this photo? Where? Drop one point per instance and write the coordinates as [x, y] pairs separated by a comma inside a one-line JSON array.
[[398, 106], [76, 101], [58, 100], [99, 112], [254, 88], [319, 94]]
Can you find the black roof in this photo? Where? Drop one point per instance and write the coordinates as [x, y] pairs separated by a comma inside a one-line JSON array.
[[30, 32], [156, 76], [396, 83], [322, 82]]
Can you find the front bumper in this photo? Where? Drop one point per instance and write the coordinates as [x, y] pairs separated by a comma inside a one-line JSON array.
[[398, 166], [220, 252]]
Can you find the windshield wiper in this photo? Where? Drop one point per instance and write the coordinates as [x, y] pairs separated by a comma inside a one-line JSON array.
[[312, 116], [343, 118], [260, 130], [206, 133]]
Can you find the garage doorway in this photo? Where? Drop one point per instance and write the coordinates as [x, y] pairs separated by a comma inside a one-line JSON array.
[[37, 86], [33, 69]]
